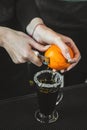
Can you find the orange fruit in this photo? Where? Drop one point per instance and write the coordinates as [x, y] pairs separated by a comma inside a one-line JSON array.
[[57, 60]]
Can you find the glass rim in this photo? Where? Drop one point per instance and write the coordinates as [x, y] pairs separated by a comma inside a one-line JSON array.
[[47, 85]]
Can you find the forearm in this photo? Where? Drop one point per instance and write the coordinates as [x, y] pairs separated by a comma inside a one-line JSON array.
[[2, 35]]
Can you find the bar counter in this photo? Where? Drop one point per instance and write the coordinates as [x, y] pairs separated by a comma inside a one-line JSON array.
[[18, 112]]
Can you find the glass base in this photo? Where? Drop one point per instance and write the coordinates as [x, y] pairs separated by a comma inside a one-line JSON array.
[[46, 119]]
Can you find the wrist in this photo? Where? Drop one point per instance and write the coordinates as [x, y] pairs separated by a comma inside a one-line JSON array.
[[31, 27], [4, 36], [1, 36]]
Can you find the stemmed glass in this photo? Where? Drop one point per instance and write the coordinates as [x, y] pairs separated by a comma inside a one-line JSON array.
[[48, 85]]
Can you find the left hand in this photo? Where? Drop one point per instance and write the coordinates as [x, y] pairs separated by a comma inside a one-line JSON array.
[[44, 35]]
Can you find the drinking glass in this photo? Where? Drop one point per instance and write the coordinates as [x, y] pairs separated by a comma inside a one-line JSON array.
[[48, 85], [60, 94]]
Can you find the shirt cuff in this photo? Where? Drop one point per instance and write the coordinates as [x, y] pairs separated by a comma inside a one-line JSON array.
[[32, 25]]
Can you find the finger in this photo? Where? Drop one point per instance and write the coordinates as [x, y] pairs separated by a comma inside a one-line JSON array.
[[40, 47], [73, 64], [62, 71], [34, 59], [77, 55], [64, 48]]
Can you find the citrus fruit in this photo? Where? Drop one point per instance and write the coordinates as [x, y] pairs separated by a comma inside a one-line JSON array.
[[57, 60]]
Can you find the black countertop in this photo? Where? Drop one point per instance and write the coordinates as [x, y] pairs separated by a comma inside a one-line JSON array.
[[18, 112]]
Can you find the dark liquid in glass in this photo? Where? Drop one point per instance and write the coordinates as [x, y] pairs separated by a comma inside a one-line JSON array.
[[47, 96], [47, 101]]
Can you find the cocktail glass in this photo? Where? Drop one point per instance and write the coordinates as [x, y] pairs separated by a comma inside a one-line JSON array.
[[48, 85]]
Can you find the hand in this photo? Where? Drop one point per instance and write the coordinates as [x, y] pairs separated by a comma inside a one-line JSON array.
[[77, 56], [45, 35], [19, 46]]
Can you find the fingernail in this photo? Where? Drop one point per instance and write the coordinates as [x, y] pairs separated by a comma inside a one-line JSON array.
[[68, 57], [47, 46], [68, 69], [62, 71], [54, 70], [36, 53]]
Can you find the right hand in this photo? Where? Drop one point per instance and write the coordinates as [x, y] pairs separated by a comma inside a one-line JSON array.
[[19, 46]]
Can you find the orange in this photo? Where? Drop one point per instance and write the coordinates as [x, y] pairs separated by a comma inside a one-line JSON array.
[[57, 60]]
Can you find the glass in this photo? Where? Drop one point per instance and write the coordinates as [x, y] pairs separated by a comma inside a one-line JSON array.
[[60, 94], [48, 85]]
